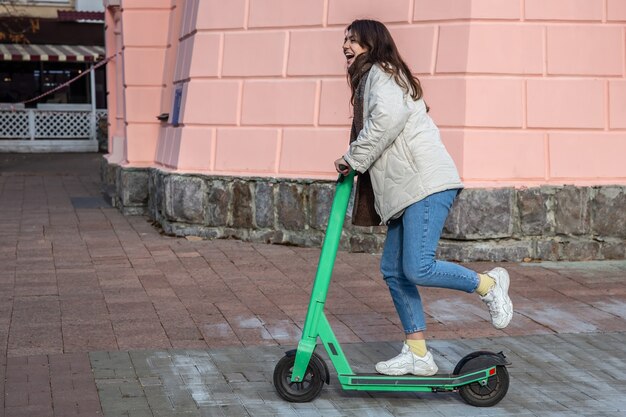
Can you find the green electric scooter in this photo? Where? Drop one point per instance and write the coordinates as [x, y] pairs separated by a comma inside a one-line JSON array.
[[481, 377]]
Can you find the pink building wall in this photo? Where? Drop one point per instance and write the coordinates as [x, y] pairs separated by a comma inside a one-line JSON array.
[[526, 92]]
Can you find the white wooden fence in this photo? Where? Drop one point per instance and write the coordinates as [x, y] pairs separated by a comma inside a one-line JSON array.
[[47, 130]]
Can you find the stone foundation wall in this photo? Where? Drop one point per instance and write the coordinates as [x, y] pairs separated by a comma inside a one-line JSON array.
[[500, 224]]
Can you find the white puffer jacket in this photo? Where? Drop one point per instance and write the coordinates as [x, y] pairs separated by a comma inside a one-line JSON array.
[[401, 147]]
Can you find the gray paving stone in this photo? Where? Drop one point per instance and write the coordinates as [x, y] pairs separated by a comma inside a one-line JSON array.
[[551, 375]]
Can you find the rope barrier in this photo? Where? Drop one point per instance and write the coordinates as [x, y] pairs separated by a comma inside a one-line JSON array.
[[68, 82]]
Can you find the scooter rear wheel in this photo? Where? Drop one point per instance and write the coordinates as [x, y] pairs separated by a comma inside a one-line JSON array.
[[299, 392], [489, 394]]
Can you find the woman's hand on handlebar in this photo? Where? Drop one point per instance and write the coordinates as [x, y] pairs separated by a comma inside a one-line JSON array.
[[342, 166]]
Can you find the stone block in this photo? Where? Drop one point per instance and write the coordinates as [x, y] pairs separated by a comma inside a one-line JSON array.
[[108, 176], [242, 205], [320, 201], [183, 229], [291, 204], [613, 249], [580, 250], [134, 183], [265, 236], [159, 200], [571, 211], [264, 204], [306, 238], [547, 223], [547, 250], [134, 210], [481, 214], [152, 194], [108, 172], [185, 198], [218, 198], [367, 243], [533, 205], [451, 250], [494, 251], [608, 217]]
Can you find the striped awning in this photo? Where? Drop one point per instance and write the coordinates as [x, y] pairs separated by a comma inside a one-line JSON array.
[[73, 15], [54, 53]]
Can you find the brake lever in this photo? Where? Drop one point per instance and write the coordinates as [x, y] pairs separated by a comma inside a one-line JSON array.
[[341, 176]]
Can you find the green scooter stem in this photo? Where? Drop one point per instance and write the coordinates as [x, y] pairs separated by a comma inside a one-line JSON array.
[[316, 323]]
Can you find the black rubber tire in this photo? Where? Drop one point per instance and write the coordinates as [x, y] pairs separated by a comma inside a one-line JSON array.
[[490, 394], [299, 392]]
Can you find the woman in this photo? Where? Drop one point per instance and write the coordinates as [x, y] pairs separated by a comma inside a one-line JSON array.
[[414, 182]]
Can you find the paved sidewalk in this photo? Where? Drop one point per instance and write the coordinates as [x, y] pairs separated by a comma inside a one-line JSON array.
[[80, 283], [564, 375]]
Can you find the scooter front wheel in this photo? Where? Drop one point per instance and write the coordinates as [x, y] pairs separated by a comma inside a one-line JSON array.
[[490, 392], [299, 392]]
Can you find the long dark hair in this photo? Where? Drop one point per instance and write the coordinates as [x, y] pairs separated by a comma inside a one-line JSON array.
[[380, 49]]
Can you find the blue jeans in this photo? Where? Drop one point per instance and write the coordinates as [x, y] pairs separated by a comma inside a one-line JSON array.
[[409, 258]]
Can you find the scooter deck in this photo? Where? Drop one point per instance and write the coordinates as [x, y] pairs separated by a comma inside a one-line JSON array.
[[437, 382], [437, 379]]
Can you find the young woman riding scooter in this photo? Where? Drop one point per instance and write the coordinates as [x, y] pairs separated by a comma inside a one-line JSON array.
[[397, 152]]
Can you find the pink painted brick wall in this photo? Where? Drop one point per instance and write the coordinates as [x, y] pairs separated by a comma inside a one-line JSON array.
[[505, 49], [134, 29], [555, 103], [523, 90], [286, 13], [334, 103], [136, 73], [575, 50], [416, 45], [597, 156], [234, 144], [195, 145], [616, 10], [220, 14], [466, 9], [563, 9], [307, 150], [206, 64], [144, 36], [617, 104], [142, 103], [219, 98], [237, 45], [521, 154], [345, 11], [316, 52], [279, 102]]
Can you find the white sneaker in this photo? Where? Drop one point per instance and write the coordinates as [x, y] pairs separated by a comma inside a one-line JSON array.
[[408, 362], [497, 299]]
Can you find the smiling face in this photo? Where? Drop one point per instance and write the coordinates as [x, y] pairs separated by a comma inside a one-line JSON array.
[[352, 48]]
